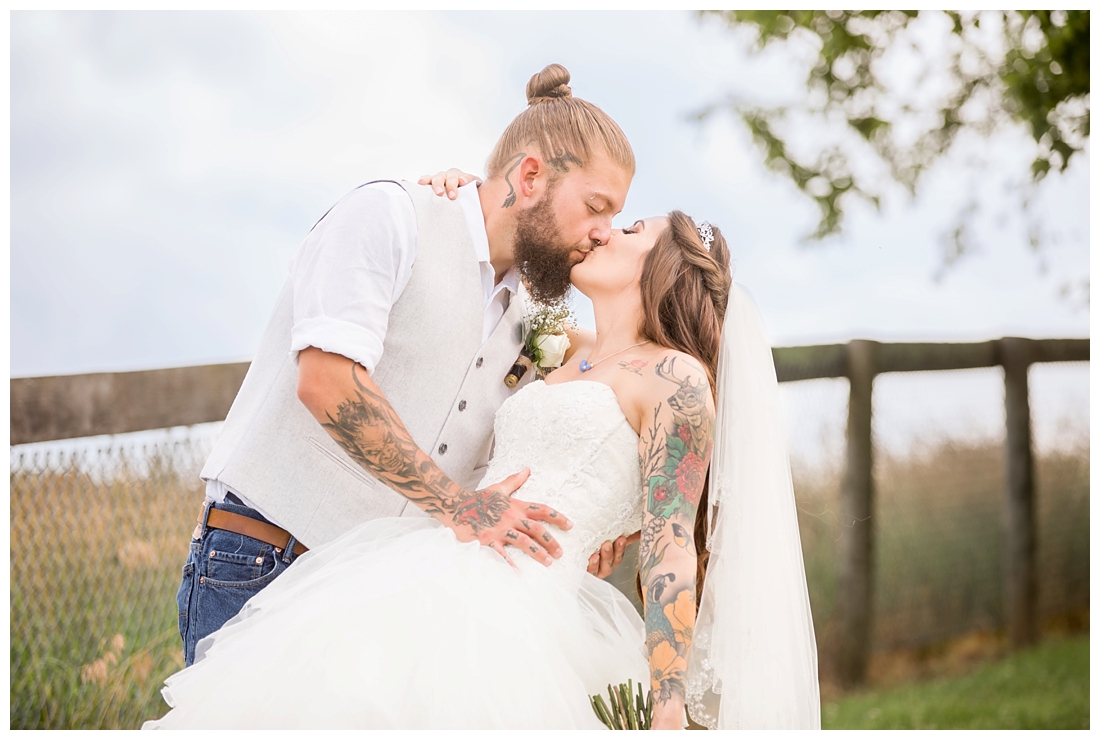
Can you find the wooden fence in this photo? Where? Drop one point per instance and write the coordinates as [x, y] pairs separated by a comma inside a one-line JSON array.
[[63, 407]]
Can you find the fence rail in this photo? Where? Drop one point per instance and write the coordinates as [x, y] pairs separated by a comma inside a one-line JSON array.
[[63, 407], [67, 406]]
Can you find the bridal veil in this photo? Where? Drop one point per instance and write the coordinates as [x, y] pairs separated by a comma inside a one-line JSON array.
[[754, 656]]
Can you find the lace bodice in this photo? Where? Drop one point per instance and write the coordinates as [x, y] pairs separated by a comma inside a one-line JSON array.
[[583, 456]]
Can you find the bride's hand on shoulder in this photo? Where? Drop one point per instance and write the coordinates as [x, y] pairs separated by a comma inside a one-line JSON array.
[[449, 181]]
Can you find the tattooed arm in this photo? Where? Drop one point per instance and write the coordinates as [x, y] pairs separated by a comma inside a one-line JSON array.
[[675, 447], [353, 410]]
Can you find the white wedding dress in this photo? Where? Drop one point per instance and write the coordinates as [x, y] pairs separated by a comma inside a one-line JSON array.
[[397, 624]]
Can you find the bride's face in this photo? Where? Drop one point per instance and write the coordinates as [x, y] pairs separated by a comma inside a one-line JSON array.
[[616, 267]]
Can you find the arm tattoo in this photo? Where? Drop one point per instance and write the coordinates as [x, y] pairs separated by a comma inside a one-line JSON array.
[[675, 455], [510, 199], [370, 432]]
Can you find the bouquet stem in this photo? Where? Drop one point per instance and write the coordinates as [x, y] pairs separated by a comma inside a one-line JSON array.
[[626, 712]]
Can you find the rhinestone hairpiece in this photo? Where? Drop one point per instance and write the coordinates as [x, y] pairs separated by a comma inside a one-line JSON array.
[[706, 234]]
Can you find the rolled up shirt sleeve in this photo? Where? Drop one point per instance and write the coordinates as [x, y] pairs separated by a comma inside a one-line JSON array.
[[350, 270]]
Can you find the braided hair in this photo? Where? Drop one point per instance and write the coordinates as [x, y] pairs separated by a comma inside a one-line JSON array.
[[684, 288]]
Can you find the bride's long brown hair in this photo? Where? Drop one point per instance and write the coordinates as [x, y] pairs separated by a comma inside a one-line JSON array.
[[684, 292]]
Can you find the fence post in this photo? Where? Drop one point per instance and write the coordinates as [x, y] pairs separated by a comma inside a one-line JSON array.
[[1020, 584], [856, 545]]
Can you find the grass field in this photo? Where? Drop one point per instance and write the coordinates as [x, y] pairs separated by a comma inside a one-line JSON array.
[[938, 541], [95, 563], [1044, 687]]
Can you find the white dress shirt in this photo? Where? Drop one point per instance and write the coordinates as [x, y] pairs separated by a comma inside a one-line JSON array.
[[353, 266]]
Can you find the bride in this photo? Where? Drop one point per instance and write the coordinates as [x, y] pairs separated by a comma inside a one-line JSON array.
[[397, 624]]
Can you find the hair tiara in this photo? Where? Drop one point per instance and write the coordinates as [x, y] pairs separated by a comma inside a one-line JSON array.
[[706, 234]]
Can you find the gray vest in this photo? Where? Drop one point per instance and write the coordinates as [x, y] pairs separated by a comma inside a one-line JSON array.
[[443, 382]]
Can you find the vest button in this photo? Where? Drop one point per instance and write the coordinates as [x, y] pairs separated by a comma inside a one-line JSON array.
[[461, 405], [480, 360], [443, 448]]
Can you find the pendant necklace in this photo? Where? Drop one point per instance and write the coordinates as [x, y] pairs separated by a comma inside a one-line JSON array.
[[586, 365]]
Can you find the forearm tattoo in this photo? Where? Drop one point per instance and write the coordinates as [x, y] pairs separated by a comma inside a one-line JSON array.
[[674, 465], [370, 432]]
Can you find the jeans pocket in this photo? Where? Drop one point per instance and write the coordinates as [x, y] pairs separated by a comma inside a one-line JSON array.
[[236, 561], [183, 597]]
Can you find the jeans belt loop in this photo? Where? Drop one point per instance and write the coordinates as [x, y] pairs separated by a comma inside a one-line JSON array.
[[288, 551], [200, 530]]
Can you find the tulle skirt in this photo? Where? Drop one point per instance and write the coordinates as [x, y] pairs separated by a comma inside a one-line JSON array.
[[396, 625]]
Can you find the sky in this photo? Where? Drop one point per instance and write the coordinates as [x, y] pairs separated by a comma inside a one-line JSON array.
[[165, 165]]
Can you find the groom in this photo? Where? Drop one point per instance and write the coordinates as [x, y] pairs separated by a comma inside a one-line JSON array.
[[376, 382]]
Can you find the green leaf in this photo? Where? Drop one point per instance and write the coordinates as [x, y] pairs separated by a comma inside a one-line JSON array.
[[671, 506]]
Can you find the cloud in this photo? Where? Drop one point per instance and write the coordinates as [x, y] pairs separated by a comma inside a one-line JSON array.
[[165, 166]]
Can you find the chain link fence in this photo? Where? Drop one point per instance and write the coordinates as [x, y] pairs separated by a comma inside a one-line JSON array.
[[99, 532]]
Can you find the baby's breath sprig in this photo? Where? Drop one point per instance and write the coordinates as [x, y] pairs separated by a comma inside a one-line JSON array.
[[549, 319], [544, 340]]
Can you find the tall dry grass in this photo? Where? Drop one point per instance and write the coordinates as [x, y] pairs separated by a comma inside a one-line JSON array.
[[95, 562], [94, 569], [938, 533]]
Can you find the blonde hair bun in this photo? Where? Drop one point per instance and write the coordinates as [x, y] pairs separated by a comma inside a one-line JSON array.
[[551, 82]]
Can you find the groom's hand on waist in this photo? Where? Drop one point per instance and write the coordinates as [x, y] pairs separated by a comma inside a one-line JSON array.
[[351, 407], [495, 519]]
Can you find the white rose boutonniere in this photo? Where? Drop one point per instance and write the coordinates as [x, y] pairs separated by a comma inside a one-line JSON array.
[[544, 341], [552, 347]]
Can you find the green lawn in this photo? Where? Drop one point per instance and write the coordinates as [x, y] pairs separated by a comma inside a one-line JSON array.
[[1045, 687]]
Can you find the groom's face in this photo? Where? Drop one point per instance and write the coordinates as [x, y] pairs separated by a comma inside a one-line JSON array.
[[573, 215]]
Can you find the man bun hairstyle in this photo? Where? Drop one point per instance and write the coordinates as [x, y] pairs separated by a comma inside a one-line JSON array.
[[685, 287], [551, 82], [566, 131]]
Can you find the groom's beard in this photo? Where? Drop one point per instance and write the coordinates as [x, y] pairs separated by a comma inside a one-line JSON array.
[[543, 261]]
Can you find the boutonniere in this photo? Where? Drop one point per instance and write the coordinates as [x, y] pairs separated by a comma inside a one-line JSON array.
[[544, 341]]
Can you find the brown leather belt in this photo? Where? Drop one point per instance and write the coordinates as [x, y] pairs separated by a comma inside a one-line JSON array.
[[257, 530]]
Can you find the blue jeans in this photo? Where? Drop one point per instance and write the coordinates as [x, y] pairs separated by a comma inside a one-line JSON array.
[[223, 571]]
